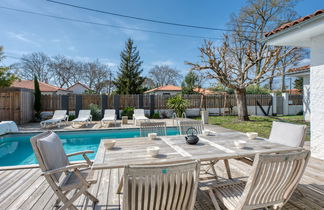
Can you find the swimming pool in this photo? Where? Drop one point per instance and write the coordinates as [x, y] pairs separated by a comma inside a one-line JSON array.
[[15, 149]]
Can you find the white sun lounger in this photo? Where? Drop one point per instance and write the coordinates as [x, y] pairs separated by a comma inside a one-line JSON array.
[[138, 116], [84, 117], [58, 117], [110, 115]]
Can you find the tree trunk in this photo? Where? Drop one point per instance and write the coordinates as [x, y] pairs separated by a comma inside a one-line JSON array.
[[240, 95]]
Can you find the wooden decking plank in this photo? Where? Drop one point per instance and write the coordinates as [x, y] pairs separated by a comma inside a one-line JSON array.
[[86, 204], [27, 191], [103, 190], [113, 197], [16, 187], [11, 178], [43, 200], [28, 204]]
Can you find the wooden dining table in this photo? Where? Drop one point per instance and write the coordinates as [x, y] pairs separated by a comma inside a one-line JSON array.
[[174, 149]]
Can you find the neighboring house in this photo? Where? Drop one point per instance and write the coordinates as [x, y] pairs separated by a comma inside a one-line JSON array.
[[303, 72], [173, 90], [164, 90], [308, 32], [78, 88], [46, 89]]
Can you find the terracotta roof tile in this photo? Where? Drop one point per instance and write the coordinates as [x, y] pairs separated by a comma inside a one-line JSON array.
[[165, 88], [29, 84], [302, 68], [295, 22]]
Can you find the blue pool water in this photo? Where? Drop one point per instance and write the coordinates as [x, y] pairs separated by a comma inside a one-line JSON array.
[[15, 149]]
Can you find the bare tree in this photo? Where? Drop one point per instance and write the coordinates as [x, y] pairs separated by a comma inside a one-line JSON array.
[[65, 71], [164, 75], [35, 64], [97, 76], [233, 65], [244, 59]]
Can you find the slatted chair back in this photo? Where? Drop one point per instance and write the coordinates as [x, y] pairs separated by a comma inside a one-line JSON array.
[[274, 179], [288, 134], [59, 114], [161, 186], [109, 113], [153, 127], [85, 113], [49, 153], [184, 125]]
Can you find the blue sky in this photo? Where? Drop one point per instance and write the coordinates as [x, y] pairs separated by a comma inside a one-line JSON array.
[[26, 33]]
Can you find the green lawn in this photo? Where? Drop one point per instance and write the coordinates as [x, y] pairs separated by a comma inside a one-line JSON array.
[[259, 124]]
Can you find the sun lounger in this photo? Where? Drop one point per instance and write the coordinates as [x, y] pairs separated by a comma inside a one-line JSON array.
[[110, 115], [84, 117], [58, 117], [138, 116]]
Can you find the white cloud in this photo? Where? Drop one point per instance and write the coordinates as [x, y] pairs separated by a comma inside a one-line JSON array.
[[166, 62], [24, 37], [19, 36], [72, 48]]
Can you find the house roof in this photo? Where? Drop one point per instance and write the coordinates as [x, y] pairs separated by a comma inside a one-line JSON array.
[[165, 88], [29, 84], [204, 91], [177, 88], [299, 71], [295, 22], [79, 83]]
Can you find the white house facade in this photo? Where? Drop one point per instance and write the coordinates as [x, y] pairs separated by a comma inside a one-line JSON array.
[[78, 88], [308, 32]]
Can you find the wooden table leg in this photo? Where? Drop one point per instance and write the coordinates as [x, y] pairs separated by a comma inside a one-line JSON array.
[[228, 170], [120, 185]]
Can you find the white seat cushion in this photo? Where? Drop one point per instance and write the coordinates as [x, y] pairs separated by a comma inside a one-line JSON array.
[[52, 152], [287, 134]]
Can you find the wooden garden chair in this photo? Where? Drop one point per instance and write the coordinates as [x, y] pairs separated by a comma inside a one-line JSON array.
[[288, 134], [62, 176], [161, 186], [272, 182], [199, 126], [153, 127]]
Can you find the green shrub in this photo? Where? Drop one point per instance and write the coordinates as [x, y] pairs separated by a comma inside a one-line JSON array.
[[164, 115], [300, 112], [156, 115], [178, 104], [255, 89], [71, 117], [128, 111], [95, 112]]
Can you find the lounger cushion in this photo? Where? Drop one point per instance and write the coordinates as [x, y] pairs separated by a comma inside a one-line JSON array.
[[287, 134], [52, 152]]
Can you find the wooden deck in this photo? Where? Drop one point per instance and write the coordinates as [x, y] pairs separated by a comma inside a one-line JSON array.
[[26, 189]]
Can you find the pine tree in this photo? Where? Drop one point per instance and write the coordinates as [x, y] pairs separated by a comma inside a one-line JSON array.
[[129, 80], [190, 83], [37, 103]]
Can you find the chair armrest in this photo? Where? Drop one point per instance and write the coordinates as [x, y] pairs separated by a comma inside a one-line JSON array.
[[83, 153], [66, 168], [79, 153]]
